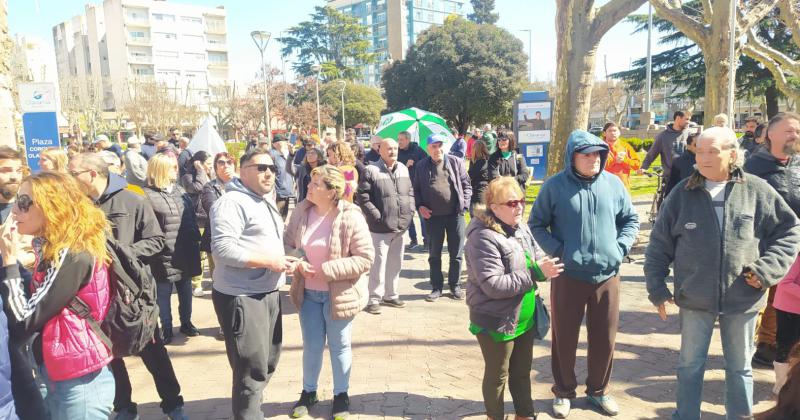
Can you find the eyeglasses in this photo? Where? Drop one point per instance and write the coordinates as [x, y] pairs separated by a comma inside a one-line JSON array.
[[222, 162], [262, 167], [24, 202], [514, 203], [503, 139]]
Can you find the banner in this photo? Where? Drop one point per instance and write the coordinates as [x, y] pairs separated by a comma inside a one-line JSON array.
[[41, 132], [37, 97]]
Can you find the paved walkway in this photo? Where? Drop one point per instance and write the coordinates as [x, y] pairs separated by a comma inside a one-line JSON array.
[[421, 362]]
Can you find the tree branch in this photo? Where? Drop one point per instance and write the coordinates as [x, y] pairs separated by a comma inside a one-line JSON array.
[[775, 61], [671, 10], [790, 17], [612, 13], [708, 11], [756, 13]]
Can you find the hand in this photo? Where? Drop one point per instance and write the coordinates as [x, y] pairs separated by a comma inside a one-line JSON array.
[[198, 166], [9, 238], [550, 267], [620, 157], [306, 269], [752, 280], [662, 309], [282, 264], [410, 163], [425, 212]]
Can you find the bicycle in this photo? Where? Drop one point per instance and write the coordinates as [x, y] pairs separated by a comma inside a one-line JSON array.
[[658, 196]]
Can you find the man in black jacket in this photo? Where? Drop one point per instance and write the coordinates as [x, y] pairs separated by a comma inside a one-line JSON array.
[[134, 225], [683, 166], [387, 200], [778, 164], [409, 152]]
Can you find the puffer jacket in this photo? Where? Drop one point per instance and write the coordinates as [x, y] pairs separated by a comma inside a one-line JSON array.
[[386, 197], [180, 257], [784, 178], [497, 273], [349, 259], [514, 167], [193, 183]]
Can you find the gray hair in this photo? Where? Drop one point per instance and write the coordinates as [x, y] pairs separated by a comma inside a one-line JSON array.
[[728, 141], [93, 161]]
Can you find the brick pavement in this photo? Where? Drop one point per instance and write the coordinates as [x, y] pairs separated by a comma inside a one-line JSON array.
[[421, 362]]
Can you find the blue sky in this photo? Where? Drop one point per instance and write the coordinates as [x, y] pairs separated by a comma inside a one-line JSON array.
[[618, 46]]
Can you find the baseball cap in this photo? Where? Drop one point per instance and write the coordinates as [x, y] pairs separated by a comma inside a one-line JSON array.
[[134, 140], [591, 148], [99, 138], [436, 138], [278, 138]]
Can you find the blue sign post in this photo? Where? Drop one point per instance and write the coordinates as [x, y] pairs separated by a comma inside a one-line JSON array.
[[41, 132], [532, 124]]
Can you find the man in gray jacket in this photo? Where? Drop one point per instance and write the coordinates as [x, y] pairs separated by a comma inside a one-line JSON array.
[[247, 276], [729, 237], [387, 200]]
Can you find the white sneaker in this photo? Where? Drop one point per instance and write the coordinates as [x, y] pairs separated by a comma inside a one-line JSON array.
[[198, 292], [561, 407]]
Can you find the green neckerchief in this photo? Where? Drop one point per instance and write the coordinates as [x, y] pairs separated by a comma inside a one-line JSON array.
[[506, 155]]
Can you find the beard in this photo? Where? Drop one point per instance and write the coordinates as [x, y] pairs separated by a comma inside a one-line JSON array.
[[791, 148], [9, 190]]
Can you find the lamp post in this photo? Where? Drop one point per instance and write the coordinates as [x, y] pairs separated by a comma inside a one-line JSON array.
[[530, 56], [316, 69], [283, 72], [344, 85], [261, 39]]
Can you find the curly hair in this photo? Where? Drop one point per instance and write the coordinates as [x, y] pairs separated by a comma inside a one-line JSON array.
[[343, 152], [72, 221]]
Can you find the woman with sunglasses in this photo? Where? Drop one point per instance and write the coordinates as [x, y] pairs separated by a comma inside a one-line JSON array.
[[313, 159], [504, 264], [71, 273], [179, 261], [505, 161], [329, 288]]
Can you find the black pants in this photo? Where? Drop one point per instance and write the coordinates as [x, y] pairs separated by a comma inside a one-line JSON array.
[[157, 361], [28, 400], [788, 334], [283, 206], [507, 361], [439, 226], [253, 337]]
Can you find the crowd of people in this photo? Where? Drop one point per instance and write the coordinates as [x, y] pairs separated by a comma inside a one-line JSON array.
[[728, 230]]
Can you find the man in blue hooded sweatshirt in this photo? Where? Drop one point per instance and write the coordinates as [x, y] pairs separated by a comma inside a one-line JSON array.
[[584, 216]]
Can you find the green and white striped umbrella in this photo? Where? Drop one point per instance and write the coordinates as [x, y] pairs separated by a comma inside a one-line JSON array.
[[419, 123]]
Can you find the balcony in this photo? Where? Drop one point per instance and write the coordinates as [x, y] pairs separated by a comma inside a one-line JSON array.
[[137, 21], [218, 64], [215, 27], [139, 40], [140, 59], [216, 46]]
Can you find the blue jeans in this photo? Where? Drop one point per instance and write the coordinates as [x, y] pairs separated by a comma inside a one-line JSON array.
[[736, 331], [453, 226], [164, 292], [317, 325], [88, 397]]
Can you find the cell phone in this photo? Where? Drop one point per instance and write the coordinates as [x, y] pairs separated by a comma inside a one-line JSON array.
[[295, 253]]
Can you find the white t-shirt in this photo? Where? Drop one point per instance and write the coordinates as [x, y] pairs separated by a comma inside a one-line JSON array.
[[717, 191]]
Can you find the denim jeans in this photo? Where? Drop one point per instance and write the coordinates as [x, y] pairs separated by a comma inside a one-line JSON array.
[[88, 397], [164, 292], [439, 226], [736, 331], [317, 325], [412, 230]]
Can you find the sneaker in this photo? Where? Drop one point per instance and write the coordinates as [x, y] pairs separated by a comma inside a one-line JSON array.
[[764, 355], [177, 414], [434, 296], [126, 414], [166, 336], [189, 330], [605, 403], [373, 308], [561, 407], [394, 303], [412, 246], [306, 401], [198, 292], [425, 247], [341, 406], [457, 293]]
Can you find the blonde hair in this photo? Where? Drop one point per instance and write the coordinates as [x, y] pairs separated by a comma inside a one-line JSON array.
[[333, 179], [721, 120], [499, 187], [158, 168], [72, 221], [343, 152], [58, 156]]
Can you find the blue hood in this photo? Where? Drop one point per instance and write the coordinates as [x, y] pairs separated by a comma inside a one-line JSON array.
[[579, 139]]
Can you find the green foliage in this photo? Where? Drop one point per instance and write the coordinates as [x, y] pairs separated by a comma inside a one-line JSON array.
[[467, 73], [236, 149], [639, 144], [338, 42], [362, 104], [483, 12]]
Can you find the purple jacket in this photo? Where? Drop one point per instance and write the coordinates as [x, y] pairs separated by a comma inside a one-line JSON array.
[[458, 177]]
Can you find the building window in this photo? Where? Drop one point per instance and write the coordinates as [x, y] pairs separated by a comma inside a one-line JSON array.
[[191, 19], [137, 34], [218, 57], [143, 71], [166, 54], [194, 56], [166, 36], [164, 18]]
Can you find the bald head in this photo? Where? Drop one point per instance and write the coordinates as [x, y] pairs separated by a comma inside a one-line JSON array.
[[388, 151]]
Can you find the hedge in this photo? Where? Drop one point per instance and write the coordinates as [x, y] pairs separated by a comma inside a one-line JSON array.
[[638, 144]]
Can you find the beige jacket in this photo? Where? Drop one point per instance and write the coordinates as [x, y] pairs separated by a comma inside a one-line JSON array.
[[350, 258]]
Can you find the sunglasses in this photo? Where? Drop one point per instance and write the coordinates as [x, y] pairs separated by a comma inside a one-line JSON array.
[[24, 202], [263, 168], [503, 139], [514, 203], [223, 162]]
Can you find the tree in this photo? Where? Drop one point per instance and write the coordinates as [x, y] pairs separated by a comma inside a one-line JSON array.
[[338, 42], [362, 104], [580, 27], [611, 97], [7, 137], [782, 63], [483, 12], [152, 105], [467, 73], [710, 31]]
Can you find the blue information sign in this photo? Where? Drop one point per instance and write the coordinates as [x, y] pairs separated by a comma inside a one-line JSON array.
[[41, 132], [532, 123]]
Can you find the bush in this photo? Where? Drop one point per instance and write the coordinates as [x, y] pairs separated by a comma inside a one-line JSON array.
[[236, 149], [638, 144]]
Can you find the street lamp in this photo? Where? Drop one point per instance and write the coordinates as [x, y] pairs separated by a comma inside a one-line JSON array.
[[316, 69], [261, 39], [530, 57], [344, 85], [283, 72]]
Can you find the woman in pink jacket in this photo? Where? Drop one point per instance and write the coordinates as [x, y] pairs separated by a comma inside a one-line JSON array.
[[787, 314], [70, 275], [332, 236]]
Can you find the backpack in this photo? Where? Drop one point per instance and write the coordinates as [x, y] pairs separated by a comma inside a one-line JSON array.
[[132, 316]]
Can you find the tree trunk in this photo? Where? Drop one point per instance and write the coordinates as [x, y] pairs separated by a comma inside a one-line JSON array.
[[575, 76], [7, 131], [771, 99], [719, 71]]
